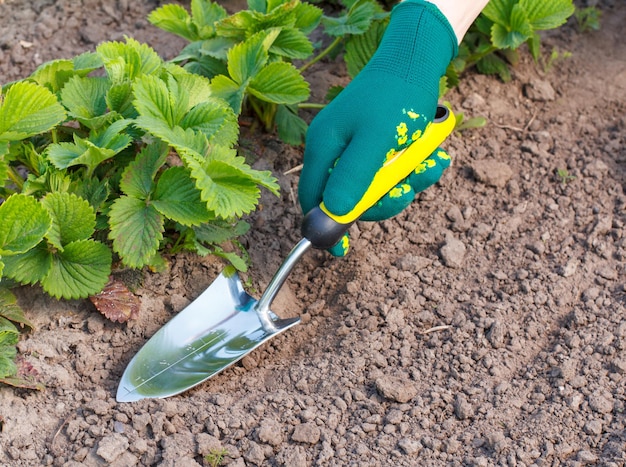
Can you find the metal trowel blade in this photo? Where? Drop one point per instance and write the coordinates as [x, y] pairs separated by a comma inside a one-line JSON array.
[[214, 331]]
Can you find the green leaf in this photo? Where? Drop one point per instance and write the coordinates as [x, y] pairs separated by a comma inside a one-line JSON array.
[[292, 44], [7, 362], [84, 98], [280, 83], [24, 224], [226, 189], [178, 137], [30, 267], [204, 15], [4, 163], [547, 15], [499, 11], [217, 231], [80, 270], [356, 20], [215, 119], [361, 48], [72, 218], [257, 5], [54, 74], [217, 48], [233, 258], [11, 310], [205, 65], [157, 99], [138, 177], [291, 128], [230, 157], [94, 191], [333, 92], [127, 61], [229, 186], [515, 34], [231, 92], [87, 62], [246, 59], [27, 110], [175, 19], [136, 230], [9, 335], [307, 17], [237, 25], [534, 46], [100, 146], [177, 198], [119, 98], [494, 65], [197, 88]]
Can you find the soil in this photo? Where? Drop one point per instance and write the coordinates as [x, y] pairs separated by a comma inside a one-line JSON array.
[[483, 326]]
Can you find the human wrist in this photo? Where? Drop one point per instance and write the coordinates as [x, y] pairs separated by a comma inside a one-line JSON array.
[[460, 14]]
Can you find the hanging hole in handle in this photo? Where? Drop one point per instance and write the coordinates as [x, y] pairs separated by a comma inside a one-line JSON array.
[[441, 114]]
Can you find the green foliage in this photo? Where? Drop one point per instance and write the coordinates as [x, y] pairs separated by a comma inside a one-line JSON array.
[[12, 316], [248, 55], [118, 166], [9, 336], [588, 19], [564, 176], [492, 42], [463, 123], [215, 457], [555, 56]]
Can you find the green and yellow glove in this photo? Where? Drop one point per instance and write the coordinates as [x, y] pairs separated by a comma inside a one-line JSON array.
[[382, 111]]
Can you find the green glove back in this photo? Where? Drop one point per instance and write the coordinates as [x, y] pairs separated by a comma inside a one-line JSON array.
[[383, 110]]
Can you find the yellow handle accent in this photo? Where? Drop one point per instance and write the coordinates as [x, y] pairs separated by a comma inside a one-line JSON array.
[[397, 169]]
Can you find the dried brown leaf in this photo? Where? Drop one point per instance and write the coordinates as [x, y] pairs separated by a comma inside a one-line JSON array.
[[116, 302], [26, 377]]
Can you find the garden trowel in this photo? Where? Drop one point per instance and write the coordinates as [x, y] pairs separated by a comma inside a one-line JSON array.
[[224, 323]]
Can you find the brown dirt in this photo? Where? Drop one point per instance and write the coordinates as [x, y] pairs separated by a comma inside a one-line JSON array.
[[483, 326]]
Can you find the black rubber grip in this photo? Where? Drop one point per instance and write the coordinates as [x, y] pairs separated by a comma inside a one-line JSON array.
[[322, 231]]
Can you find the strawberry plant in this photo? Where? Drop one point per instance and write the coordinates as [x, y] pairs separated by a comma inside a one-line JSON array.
[[116, 166], [503, 26], [11, 315], [248, 55]]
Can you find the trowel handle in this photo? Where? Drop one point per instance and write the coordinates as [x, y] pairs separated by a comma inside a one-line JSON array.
[[324, 229]]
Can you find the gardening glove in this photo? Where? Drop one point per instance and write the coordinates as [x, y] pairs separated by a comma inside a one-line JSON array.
[[383, 110]]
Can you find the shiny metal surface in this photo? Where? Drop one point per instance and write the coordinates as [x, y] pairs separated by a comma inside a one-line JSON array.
[[263, 306], [214, 331]]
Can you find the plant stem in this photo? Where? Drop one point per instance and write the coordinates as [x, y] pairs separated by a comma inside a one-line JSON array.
[[15, 178], [472, 59], [311, 105], [322, 54]]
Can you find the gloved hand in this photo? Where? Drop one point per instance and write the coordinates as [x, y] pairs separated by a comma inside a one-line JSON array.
[[383, 110]]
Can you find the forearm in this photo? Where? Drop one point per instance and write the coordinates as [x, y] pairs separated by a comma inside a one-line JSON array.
[[460, 13]]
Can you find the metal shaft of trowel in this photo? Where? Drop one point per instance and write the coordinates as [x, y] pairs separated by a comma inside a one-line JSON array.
[[262, 307]]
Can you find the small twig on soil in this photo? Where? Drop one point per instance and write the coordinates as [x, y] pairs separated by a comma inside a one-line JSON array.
[[293, 197], [435, 329], [295, 169], [516, 128], [65, 422]]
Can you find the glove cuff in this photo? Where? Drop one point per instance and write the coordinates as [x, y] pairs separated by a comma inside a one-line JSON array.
[[418, 45]]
